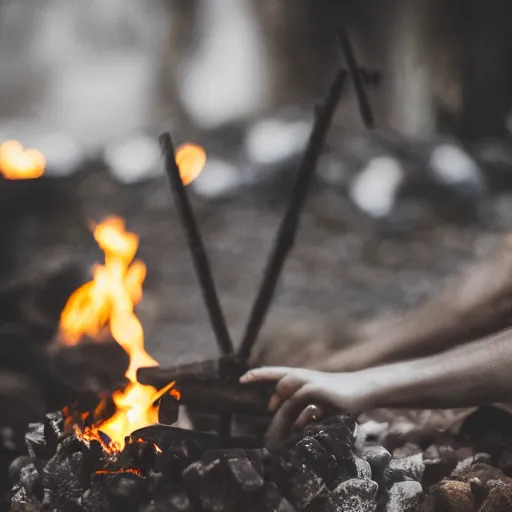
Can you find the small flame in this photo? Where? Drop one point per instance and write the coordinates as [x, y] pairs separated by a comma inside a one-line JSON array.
[[191, 160], [107, 303], [17, 163]]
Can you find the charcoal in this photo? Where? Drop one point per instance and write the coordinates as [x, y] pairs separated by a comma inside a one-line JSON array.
[[141, 455], [31, 480], [378, 458], [311, 453], [404, 497], [307, 491], [448, 496], [344, 424], [248, 479], [211, 486], [17, 465], [398, 470], [54, 426], [271, 499], [177, 502], [35, 440], [342, 452], [180, 502], [126, 491], [22, 502], [356, 495], [64, 474], [364, 470], [94, 457], [95, 498], [168, 410]]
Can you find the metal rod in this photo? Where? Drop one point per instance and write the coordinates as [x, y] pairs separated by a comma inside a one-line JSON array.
[[197, 249]]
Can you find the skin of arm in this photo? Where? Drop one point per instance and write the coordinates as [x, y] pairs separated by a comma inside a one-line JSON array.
[[472, 374], [476, 304]]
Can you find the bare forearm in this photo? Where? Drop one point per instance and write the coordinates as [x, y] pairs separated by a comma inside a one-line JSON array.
[[476, 304], [472, 374]]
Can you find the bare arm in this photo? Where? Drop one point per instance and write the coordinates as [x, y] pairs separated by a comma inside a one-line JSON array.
[[476, 304], [472, 374]]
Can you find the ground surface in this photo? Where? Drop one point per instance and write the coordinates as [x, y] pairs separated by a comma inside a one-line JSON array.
[[333, 268]]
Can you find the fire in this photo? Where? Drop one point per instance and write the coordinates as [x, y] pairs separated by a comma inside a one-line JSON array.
[[17, 163], [191, 160], [107, 303]]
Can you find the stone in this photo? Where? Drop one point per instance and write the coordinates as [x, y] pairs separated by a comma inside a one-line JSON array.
[[356, 495], [404, 497], [378, 458]]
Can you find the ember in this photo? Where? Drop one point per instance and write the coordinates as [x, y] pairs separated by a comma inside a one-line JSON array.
[[17, 163], [118, 472]]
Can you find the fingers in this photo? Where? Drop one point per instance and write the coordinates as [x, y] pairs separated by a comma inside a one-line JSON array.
[[265, 374], [287, 415], [310, 413]]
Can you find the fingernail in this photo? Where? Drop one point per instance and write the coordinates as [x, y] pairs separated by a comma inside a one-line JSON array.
[[273, 403], [244, 378]]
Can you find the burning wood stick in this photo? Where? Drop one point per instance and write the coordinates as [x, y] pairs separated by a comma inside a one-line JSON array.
[[197, 249]]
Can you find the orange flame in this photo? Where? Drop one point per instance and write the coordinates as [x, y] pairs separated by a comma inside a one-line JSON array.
[[108, 302], [191, 160], [17, 163]]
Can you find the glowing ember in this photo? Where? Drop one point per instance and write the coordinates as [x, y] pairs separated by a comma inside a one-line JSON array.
[[119, 471], [107, 303], [17, 163], [191, 160]]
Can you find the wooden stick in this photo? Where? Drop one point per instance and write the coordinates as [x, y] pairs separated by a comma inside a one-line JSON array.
[[197, 249], [286, 235], [362, 98]]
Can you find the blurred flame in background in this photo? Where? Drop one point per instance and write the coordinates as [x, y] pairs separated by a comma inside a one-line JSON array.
[[191, 160], [17, 163]]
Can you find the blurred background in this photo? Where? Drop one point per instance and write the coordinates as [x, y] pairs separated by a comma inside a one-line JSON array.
[[392, 211]]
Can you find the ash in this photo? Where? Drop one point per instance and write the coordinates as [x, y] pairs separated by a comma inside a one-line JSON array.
[[332, 465]]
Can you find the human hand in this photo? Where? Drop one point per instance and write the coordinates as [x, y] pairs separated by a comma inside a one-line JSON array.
[[301, 394]]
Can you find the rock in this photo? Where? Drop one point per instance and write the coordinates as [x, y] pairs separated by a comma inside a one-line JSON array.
[[483, 472], [378, 458], [407, 450], [499, 499], [356, 495], [404, 497], [364, 470], [409, 468], [449, 496], [464, 465], [440, 461]]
